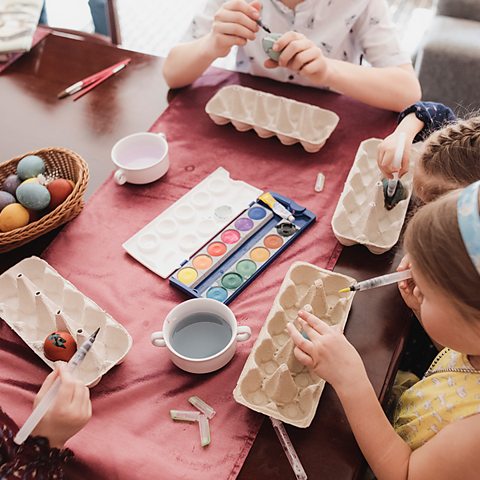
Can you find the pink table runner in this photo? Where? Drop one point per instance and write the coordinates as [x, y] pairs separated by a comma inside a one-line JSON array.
[[38, 36], [131, 435]]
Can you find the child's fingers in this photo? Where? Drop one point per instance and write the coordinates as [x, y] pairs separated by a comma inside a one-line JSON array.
[[302, 357], [312, 333], [48, 382], [239, 18], [291, 51], [404, 264], [284, 40], [269, 63], [234, 30], [304, 58], [321, 327], [256, 5], [299, 340], [242, 6]]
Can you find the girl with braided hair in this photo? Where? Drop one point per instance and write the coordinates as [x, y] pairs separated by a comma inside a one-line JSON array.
[[451, 154]]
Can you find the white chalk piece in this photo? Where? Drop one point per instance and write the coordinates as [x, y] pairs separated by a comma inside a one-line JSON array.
[[204, 430], [199, 404], [319, 182], [185, 416]]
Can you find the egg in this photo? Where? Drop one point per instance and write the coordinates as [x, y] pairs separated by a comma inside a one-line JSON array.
[[59, 190], [30, 180], [59, 346], [30, 166], [6, 199], [33, 196], [13, 216], [11, 183]]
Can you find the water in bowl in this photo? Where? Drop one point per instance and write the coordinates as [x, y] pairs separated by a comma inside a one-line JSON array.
[[201, 335]]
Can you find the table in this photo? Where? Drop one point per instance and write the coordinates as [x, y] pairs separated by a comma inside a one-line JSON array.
[[91, 126]]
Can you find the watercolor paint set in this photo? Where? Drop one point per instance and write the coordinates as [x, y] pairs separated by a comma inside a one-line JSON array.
[[231, 260], [218, 237]]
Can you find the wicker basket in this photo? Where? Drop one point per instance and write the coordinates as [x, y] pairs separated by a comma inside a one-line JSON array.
[[59, 162]]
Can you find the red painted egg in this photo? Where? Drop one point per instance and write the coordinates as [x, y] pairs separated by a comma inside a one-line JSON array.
[[59, 346], [59, 190]]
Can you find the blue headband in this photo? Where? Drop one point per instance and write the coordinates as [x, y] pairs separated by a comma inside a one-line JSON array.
[[468, 216]]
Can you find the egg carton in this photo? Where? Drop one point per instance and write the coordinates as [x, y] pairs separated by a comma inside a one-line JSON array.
[[35, 300], [270, 115], [179, 231], [361, 216], [273, 381]]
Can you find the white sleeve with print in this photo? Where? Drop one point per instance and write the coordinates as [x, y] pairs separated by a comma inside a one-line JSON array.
[[377, 36], [202, 22]]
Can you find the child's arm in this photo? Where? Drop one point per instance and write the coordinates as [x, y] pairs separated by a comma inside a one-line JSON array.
[[392, 88], [417, 121], [334, 359], [234, 24]]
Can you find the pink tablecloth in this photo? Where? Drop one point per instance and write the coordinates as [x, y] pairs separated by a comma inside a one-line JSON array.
[[39, 35], [131, 435]]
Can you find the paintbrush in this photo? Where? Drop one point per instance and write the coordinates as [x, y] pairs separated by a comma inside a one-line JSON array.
[[260, 24]]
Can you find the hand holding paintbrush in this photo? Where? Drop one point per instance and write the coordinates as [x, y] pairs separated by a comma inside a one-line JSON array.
[[70, 401]]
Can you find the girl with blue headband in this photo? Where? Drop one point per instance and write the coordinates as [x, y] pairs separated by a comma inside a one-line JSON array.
[[436, 423]]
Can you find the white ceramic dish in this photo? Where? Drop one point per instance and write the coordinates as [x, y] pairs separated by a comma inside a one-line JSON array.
[[361, 216], [140, 158], [194, 306], [35, 300], [178, 232], [272, 381], [270, 115]]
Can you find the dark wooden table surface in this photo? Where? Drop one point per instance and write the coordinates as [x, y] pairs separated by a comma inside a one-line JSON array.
[[32, 118]]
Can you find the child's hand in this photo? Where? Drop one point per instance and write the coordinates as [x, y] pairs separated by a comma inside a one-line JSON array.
[[234, 24], [407, 287], [386, 154], [70, 411], [300, 55], [327, 352]]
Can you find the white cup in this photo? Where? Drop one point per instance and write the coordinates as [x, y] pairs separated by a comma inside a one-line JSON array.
[[200, 305], [141, 158]]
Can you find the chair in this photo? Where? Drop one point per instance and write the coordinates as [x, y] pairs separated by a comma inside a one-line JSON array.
[[448, 65], [112, 23]]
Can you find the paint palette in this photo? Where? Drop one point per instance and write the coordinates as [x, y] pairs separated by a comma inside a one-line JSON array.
[[178, 232], [272, 381], [35, 300], [361, 216], [270, 115], [231, 260]]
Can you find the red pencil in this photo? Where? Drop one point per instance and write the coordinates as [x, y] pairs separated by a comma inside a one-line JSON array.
[[81, 84]]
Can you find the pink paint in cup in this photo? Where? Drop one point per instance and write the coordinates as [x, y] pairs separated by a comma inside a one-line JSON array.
[[140, 158]]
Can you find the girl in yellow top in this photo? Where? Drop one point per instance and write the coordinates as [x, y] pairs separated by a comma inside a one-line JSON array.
[[436, 428]]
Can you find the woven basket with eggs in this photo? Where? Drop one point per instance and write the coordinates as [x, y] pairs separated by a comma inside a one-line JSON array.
[[60, 163]]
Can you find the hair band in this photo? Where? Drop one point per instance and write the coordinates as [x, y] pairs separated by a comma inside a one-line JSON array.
[[468, 217]]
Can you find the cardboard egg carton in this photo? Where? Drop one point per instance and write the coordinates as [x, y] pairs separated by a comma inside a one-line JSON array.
[[273, 381], [270, 115], [35, 300], [361, 216]]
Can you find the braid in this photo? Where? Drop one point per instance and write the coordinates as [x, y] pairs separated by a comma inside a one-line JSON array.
[[452, 154]]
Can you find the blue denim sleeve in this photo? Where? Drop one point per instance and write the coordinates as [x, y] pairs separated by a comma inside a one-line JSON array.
[[433, 115]]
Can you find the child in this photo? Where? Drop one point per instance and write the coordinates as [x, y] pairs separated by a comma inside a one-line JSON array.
[[323, 44], [449, 158], [436, 426], [42, 454]]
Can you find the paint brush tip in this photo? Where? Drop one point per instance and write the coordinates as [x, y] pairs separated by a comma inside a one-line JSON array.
[[344, 290]]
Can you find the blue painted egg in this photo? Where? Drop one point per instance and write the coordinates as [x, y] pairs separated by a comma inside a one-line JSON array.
[[6, 199], [30, 166], [11, 183], [33, 196]]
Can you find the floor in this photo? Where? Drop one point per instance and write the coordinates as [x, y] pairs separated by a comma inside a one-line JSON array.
[[154, 26]]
